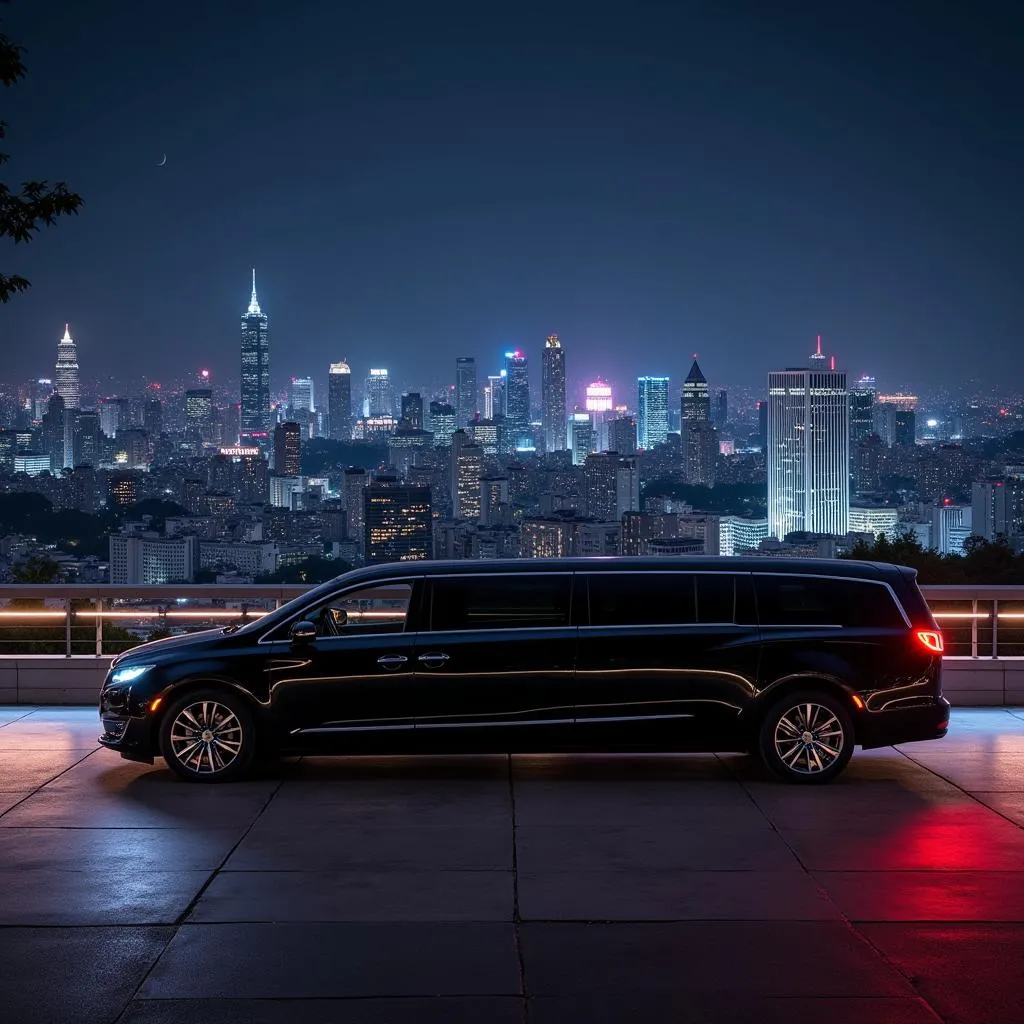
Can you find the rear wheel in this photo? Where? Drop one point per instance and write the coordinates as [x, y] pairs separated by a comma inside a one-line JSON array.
[[807, 737], [208, 736]]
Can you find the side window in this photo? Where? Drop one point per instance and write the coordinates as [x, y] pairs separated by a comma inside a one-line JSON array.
[[811, 601], [642, 599], [716, 598], [374, 609], [500, 602]]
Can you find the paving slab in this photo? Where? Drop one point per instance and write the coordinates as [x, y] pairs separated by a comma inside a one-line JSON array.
[[434, 1010], [357, 896], [926, 895], [428, 848], [633, 848], [685, 1008], [117, 851], [309, 961], [777, 958], [970, 974], [673, 896], [50, 896], [74, 975]]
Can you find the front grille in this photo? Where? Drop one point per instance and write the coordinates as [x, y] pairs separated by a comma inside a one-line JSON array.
[[113, 728]]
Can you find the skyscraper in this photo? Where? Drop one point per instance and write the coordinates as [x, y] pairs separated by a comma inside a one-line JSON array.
[[398, 526], [288, 449], [412, 411], [300, 394], [465, 390], [379, 401], [552, 394], [517, 390], [67, 384], [339, 401], [494, 395], [652, 411], [808, 458], [699, 440], [862, 409], [255, 416]]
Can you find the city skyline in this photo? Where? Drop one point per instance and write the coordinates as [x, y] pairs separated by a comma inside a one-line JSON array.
[[719, 181]]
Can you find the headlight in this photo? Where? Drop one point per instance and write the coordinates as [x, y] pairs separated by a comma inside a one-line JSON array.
[[129, 673]]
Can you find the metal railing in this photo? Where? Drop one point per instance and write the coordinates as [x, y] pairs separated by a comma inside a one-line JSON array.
[[979, 622], [68, 620], [103, 620]]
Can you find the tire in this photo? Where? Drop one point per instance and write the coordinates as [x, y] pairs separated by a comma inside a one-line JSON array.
[[222, 753], [801, 755]]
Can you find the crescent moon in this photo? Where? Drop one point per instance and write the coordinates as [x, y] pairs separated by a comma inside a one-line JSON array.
[[163, 160]]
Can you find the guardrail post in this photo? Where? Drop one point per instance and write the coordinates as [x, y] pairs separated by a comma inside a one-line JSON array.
[[99, 626], [995, 628], [67, 627], [974, 628]]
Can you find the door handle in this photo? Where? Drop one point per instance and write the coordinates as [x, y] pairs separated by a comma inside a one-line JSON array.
[[392, 660], [433, 659]]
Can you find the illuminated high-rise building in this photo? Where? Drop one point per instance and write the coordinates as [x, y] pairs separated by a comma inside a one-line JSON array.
[[288, 449], [300, 395], [465, 390], [467, 469], [255, 423], [622, 435], [198, 410], [652, 411], [552, 395], [66, 382], [699, 438], [442, 422], [862, 409], [379, 400], [494, 395], [412, 411], [353, 488], [517, 390], [808, 457], [339, 401], [398, 522]]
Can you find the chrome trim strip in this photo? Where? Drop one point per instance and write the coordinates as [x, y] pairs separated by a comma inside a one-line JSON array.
[[630, 718]]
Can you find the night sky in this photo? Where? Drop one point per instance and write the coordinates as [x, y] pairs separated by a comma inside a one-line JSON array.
[[416, 181]]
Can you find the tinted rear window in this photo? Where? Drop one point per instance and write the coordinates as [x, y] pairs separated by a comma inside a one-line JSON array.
[[642, 599], [811, 601], [500, 602]]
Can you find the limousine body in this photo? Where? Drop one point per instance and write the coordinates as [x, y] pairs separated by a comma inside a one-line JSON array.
[[797, 661]]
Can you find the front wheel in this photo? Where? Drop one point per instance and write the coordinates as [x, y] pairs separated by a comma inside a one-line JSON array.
[[208, 736], [807, 737]]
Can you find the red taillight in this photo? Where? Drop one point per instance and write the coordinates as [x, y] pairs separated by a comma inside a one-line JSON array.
[[931, 639]]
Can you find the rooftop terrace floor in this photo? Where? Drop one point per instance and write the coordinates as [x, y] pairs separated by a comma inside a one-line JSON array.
[[539, 889]]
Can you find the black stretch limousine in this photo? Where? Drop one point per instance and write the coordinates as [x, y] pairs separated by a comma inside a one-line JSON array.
[[795, 660]]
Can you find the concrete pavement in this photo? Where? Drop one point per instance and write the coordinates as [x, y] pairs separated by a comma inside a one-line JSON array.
[[540, 889]]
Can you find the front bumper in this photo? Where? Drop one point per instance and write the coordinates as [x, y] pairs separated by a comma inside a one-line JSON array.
[[928, 720], [125, 729]]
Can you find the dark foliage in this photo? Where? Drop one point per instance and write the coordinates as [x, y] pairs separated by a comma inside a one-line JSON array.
[[985, 562], [322, 456], [312, 570], [723, 500]]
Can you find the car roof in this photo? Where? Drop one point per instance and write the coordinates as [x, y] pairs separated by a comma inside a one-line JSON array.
[[843, 568]]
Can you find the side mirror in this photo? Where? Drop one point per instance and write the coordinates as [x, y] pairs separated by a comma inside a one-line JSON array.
[[302, 632]]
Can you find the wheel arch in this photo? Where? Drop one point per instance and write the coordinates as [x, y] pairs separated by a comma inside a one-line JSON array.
[[209, 681], [787, 685]]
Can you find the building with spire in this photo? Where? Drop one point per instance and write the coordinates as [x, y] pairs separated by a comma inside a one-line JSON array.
[[699, 437], [255, 421], [67, 383], [552, 395]]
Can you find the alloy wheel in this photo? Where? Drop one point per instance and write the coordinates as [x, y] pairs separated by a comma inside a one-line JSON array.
[[808, 738], [206, 737]]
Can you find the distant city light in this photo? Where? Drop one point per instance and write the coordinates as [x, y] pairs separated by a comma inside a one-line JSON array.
[[205, 374], [932, 423]]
